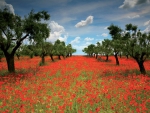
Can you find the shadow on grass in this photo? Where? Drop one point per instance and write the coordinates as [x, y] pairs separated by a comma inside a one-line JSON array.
[[20, 74], [123, 74]]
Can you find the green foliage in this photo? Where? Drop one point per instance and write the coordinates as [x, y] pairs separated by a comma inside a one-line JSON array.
[[138, 44], [114, 31], [89, 50], [14, 29], [60, 47], [106, 45]]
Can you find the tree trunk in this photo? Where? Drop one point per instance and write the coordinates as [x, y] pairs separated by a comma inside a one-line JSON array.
[[127, 56], [59, 57], [52, 58], [0, 59], [116, 57], [96, 56], [106, 58], [141, 66], [10, 62], [63, 56], [67, 55], [43, 59]]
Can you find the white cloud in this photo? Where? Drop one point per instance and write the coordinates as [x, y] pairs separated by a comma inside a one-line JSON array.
[[106, 27], [88, 39], [76, 40], [63, 38], [104, 35], [57, 32], [135, 16], [88, 20], [55, 27], [147, 23], [132, 3], [4, 5], [147, 30]]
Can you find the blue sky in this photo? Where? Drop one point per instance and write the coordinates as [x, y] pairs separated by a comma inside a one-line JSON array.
[[84, 22]]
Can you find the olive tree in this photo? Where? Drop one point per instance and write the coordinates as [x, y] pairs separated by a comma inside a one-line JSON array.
[[137, 45], [51, 50], [116, 33], [107, 48], [60, 48], [14, 29]]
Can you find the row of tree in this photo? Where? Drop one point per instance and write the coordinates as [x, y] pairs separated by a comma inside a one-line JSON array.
[[33, 27], [42, 49], [129, 42]]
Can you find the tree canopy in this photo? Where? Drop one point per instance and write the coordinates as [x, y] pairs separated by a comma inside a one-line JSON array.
[[14, 29]]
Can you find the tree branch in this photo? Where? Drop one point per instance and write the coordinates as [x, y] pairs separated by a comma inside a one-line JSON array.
[[18, 44], [4, 32]]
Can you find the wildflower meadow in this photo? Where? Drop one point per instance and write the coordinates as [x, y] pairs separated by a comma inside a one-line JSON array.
[[78, 84]]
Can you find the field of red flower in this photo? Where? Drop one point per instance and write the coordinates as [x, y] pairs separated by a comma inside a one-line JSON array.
[[77, 84]]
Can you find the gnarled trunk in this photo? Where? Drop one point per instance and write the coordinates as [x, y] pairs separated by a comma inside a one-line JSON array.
[[106, 57], [63, 56], [140, 58], [0, 58], [59, 57], [127, 56], [116, 57], [141, 66], [51, 56], [10, 62], [43, 59], [96, 56], [67, 55]]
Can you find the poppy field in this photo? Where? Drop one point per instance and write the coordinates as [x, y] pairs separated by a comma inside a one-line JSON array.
[[77, 84]]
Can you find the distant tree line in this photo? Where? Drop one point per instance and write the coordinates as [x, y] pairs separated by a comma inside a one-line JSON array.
[[42, 49], [129, 42]]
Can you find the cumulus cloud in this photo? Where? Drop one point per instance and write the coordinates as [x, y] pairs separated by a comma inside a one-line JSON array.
[[64, 38], [147, 23], [147, 30], [88, 39], [88, 20], [76, 40], [132, 3], [135, 16], [4, 5], [57, 32], [106, 27], [55, 27], [104, 35]]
